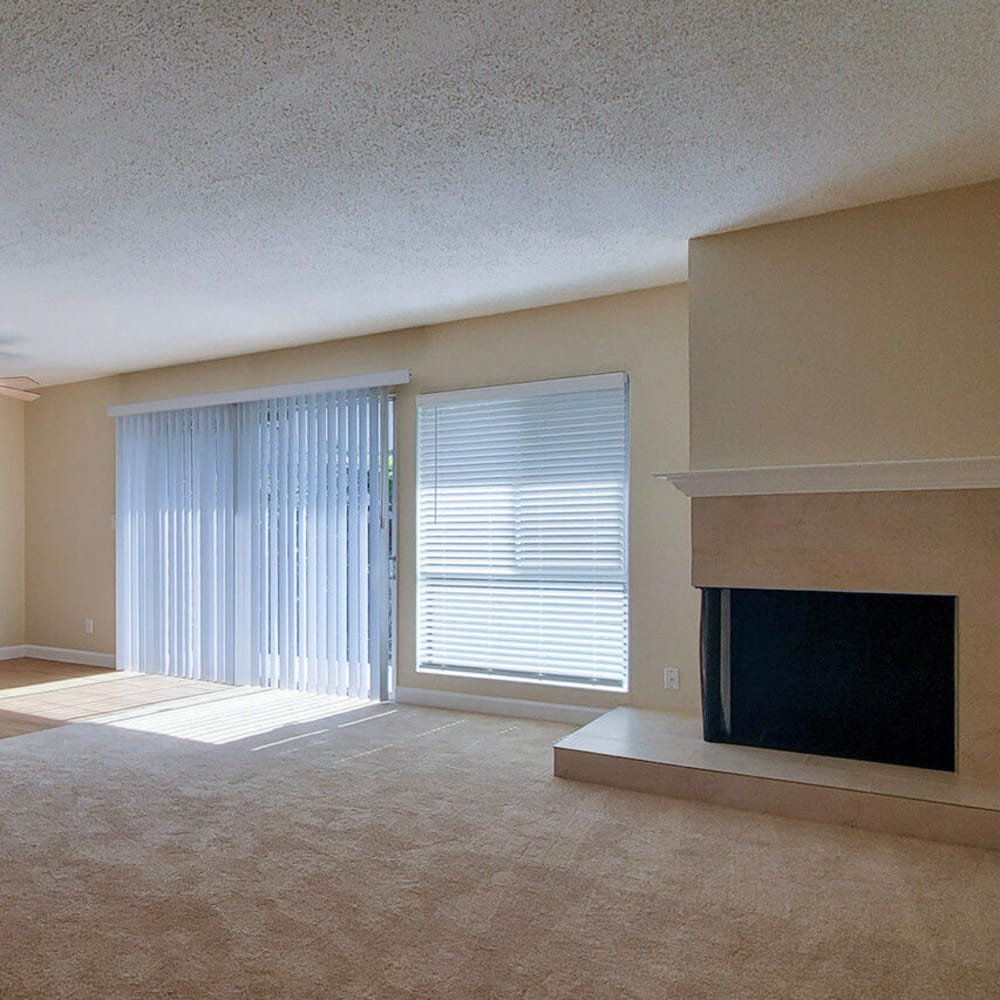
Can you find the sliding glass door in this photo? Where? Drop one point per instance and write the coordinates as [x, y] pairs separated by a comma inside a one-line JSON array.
[[253, 542]]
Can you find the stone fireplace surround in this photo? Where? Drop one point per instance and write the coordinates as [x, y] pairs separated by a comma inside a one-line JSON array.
[[899, 527], [935, 542]]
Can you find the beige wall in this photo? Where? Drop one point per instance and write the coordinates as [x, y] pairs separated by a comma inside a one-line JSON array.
[[11, 522], [70, 485], [70, 463], [867, 334]]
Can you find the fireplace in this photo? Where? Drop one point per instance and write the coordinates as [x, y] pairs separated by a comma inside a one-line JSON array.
[[882, 579], [943, 541], [868, 676]]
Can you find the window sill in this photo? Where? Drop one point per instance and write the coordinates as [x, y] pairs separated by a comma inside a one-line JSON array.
[[524, 679]]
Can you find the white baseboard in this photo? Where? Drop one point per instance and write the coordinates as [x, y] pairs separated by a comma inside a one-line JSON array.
[[81, 656], [517, 707], [11, 652]]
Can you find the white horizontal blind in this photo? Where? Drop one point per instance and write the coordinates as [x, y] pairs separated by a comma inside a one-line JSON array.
[[522, 531], [253, 542]]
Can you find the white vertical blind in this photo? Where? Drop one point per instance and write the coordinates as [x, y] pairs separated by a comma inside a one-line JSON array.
[[522, 531], [253, 542], [175, 540]]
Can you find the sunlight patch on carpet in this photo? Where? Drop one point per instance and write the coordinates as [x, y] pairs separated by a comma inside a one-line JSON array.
[[228, 717]]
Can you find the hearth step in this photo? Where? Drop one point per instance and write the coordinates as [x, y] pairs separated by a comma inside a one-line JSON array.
[[665, 754]]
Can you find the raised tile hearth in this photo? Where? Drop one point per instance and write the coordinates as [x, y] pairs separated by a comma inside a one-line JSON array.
[[665, 754]]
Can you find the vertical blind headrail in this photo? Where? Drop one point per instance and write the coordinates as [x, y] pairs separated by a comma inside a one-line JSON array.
[[342, 383]]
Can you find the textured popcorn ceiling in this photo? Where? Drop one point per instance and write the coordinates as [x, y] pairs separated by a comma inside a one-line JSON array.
[[186, 180]]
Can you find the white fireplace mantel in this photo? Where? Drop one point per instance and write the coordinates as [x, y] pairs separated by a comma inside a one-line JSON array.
[[849, 477]]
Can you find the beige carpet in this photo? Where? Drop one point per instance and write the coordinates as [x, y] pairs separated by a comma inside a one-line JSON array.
[[431, 854]]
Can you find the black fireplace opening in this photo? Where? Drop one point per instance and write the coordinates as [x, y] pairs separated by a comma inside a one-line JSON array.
[[858, 675]]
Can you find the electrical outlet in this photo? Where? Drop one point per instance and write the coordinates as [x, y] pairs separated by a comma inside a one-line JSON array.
[[671, 678], [88, 626]]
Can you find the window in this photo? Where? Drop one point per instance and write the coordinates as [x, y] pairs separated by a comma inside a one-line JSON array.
[[253, 542], [522, 531]]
